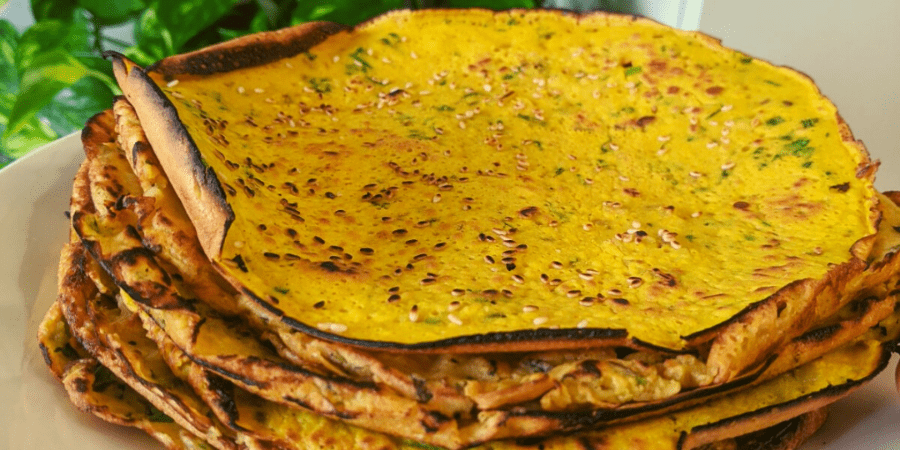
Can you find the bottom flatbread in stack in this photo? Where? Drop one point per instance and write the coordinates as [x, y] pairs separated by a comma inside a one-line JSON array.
[[107, 341]]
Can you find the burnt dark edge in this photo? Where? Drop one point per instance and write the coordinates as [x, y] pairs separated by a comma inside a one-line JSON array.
[[538, 335], [772, 436], [306, 406], [205, 175], [222, 395], [821, 334], [218, 59], [829, 391], [225, 373]]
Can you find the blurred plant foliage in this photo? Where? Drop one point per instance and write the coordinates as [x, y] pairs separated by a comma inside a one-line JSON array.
[[53, 78]]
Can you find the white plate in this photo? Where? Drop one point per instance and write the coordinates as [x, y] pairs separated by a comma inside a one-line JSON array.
[[34, 196]]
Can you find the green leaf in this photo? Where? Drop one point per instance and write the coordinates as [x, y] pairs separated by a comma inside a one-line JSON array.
[[184, 20], [490, 4], [74, 105], [347, 12], [53, 9], [112, 12], [72, 37], [32, 134], [154, 41], [48, 73], [9, 43]]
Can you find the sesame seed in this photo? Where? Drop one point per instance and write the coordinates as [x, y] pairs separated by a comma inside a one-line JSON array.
[[695, 174], [332, 327], [259, 90], [172, 83], [586, 276], [726, 107], [587, 301], [636, 225], [393, 298], [540, 320], [712, 144], [427, 281], [696, 214], [587, 226], [634, 282], [573, 293], [556, 265], [675, 245], [413, 55], [414, 313], [241, 90], [529, 308], [614, 292], [238, 244], [453, 306], [518, 278], [663, 138], [728, 166], [582, 324], [455, 320], [544, 278], [457, 292]]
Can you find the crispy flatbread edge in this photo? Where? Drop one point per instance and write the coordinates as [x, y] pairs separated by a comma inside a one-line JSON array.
[[195, 183], [205, 199], [783, 436], [738, 425]]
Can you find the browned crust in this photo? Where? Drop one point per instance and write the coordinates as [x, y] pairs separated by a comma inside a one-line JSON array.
[[196, 184], [786, 435], [761, 419], [248, 51]]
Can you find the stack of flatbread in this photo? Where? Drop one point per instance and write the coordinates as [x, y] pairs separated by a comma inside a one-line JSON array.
[[452, 229]]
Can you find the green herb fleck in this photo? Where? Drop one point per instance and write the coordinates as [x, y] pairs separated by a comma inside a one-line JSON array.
[[640, 381], [103, 378], [282, 290], [415, 444], [690, 238], [774, 121], [68, 351], [432, 320], [559, 171], [800, 147], [808, 123], [772, 83], [749, 237], [444, 108], [746, 60], [155, 415], [320, 85], [807, 164], [633, 70]]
